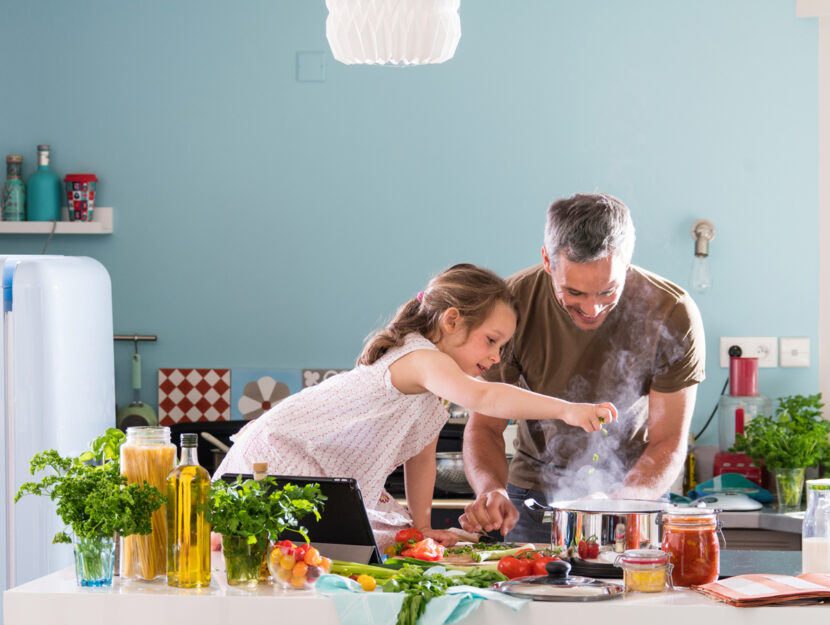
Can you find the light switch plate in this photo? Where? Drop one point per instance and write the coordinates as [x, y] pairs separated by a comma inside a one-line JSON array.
[[795, 352]]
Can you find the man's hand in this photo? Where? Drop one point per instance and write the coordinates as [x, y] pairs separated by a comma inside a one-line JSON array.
[[448, 539], [491, 510]]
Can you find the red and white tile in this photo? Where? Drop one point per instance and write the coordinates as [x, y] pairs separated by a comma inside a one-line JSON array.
[[193, 395]]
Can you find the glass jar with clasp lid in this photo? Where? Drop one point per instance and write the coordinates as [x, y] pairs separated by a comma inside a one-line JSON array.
[[690, 537], [815, 531], [645, 570], [147, 455]]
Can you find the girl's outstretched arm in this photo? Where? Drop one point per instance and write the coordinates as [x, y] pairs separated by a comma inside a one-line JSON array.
[[436, 372]]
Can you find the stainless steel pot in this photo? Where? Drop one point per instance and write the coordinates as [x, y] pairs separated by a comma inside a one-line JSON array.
[[449, 473], [615, 524]]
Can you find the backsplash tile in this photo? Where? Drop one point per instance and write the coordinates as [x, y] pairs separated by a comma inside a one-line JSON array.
[[254, 391], [315, 376], [191, 395]]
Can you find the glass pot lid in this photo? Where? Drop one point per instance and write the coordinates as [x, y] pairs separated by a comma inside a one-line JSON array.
[[547, 588]]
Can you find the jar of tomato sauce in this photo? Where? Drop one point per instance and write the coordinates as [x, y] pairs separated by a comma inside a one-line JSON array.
[[690, 537]]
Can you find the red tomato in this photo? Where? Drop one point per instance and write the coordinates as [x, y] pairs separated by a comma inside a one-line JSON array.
[[404, 536], [513, 567], [538, 565], [588, 549], [426, 549]]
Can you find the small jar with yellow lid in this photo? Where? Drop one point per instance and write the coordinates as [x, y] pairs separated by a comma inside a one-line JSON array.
[[645, 570]]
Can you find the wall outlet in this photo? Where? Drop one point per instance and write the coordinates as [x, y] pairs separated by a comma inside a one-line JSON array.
[[764, 348], [795, 352]]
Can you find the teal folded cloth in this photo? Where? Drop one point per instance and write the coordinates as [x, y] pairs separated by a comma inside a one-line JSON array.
[[357, 607], [731, 482]]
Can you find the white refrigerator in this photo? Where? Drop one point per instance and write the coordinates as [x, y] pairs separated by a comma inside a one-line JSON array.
[[57, 390]]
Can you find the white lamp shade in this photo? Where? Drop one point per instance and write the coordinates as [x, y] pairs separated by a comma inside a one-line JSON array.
[[394, 32]]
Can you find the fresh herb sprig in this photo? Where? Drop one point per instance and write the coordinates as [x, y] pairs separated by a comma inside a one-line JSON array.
[[795, 437], [93, 499], [259, 509], [421, 586]]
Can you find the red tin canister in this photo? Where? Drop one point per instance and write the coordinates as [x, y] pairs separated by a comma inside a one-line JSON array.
[[80, 195]]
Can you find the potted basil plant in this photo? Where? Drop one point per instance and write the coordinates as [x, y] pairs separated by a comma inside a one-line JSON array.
[[250, 514], [794, 438], [95, 502]]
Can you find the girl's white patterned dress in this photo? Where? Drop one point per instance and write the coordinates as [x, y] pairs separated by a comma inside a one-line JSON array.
[[355, 424]]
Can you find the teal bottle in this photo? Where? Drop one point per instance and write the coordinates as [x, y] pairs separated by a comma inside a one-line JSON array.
[[14, 191], [43, 190]]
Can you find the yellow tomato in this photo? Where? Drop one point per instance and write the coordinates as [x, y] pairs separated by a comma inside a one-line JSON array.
[[299, 582], [312, 557], [367, 582], [287, 562], [299, 569]]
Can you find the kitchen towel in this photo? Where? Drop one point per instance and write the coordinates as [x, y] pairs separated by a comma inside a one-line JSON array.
[[357, 607], [731, 482]]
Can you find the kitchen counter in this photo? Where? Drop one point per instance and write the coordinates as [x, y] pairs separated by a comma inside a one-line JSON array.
[[132, 603]]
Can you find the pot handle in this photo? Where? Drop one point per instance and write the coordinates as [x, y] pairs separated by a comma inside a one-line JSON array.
[[536, 510]]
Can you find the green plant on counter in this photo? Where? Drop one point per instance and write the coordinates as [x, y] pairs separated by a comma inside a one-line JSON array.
[[260, 509], [795, 437], [93, 500]]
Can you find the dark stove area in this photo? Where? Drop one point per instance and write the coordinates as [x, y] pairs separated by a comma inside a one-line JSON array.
[[449, 439]]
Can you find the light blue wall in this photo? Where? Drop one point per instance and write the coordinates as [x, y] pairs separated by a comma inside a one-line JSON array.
[[260, 221]]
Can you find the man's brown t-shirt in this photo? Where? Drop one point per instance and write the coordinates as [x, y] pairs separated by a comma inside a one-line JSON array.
[[652, 340]]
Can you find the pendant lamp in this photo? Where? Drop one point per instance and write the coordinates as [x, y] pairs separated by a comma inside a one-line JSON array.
[[393, 32]]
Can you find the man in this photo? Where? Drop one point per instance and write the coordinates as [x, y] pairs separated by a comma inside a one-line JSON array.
[[592, 327]]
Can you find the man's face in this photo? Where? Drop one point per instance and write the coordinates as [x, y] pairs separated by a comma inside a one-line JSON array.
[[587, 291]]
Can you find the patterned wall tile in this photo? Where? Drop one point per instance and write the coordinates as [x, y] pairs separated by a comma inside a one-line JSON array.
[[194, 395], [315, 376], [254, 391]]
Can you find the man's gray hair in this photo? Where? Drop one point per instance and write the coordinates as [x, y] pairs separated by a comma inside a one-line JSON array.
[[587, 227]]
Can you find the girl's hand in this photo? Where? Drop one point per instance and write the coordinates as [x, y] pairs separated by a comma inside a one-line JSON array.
[[590, 417], [448, 539]]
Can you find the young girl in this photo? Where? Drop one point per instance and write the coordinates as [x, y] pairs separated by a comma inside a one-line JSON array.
[[389, 409]]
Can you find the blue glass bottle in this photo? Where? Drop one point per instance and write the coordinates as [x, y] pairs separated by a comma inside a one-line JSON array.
[[43, 190], [14, 191]]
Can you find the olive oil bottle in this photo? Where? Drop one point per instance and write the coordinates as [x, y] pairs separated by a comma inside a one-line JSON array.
[[188, 532]]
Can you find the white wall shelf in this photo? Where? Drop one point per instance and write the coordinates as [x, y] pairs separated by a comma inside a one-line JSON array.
[[101, 224]]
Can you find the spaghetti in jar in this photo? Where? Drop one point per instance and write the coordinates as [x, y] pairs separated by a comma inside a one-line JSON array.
[[147, 455], [690, 537]]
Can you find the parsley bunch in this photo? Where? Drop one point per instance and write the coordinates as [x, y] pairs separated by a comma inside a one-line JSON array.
[[93, 499], [259, 509], [796, 437], [421, 586]]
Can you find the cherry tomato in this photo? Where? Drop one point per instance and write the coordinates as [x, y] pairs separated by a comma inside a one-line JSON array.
[[538, 565], [299, 552], [367, 582], [513, 567], [404, 536], [312, 557], [588, 549]]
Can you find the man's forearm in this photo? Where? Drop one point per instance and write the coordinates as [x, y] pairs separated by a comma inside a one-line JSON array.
[[485, 463], [654, 472]]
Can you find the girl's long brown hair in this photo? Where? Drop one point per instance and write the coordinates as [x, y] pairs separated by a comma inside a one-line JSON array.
[[473, 290]]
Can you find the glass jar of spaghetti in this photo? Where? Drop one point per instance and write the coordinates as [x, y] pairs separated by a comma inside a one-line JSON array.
[[147, 455], [690, 538]]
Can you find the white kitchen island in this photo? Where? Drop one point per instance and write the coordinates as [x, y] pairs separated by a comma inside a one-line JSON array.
[[55, 598]]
